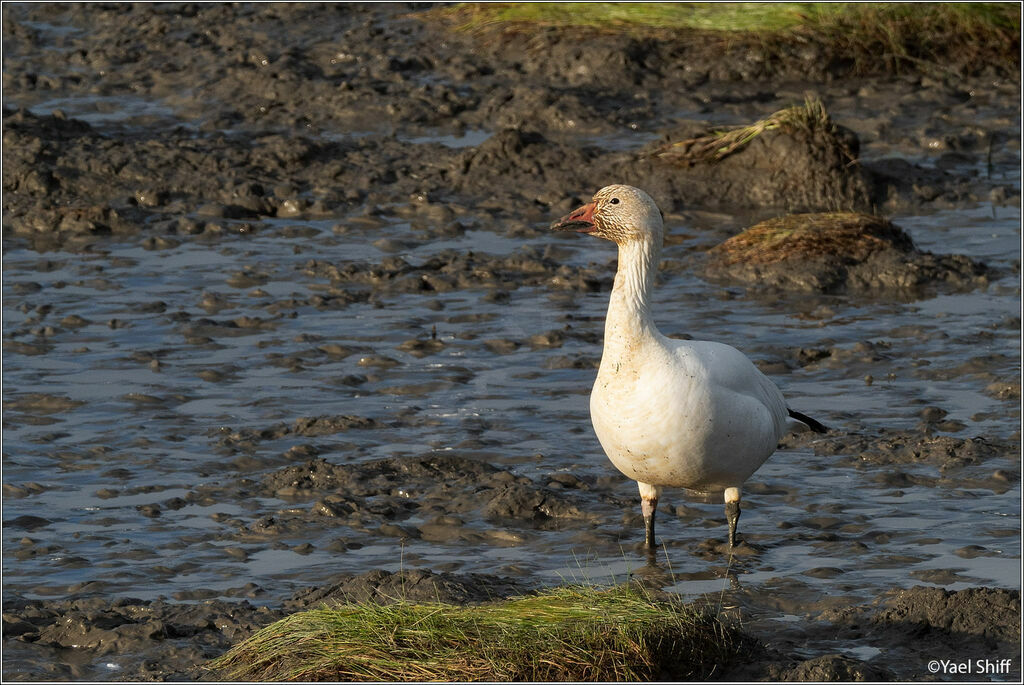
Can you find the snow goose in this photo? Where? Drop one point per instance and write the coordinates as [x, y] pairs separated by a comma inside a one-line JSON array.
[[671, 413]]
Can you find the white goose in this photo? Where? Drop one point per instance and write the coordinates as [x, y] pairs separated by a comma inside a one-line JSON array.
[[671, 413]]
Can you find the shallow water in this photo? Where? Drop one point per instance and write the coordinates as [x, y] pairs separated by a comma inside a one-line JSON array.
[[158, 428]]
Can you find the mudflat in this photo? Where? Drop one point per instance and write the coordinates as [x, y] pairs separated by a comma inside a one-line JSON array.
[[283, 324]]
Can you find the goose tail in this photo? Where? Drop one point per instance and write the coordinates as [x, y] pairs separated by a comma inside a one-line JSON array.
[[808, 421]]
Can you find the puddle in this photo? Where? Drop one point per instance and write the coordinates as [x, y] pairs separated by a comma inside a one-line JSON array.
[[471, 138]]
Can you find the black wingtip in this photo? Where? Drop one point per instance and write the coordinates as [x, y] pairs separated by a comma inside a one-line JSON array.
[[811, 423]]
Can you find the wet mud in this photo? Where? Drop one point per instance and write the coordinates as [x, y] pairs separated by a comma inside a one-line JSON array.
[[283, 324]]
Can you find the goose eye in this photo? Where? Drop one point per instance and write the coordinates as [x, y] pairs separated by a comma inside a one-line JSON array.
[[614, 200]]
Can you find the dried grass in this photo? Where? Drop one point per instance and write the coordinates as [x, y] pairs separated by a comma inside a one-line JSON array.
[[719, 144], [846, 235]]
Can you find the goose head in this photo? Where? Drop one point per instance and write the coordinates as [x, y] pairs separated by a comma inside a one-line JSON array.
[[618, 213]]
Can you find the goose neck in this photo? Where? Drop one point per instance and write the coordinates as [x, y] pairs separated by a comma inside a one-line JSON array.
[[629, 314]]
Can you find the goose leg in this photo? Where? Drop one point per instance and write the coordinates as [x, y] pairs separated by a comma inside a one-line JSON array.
[[649, 505], [732, 512]]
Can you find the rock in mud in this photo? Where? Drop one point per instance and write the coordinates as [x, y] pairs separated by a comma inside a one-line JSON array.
[[836, 252]]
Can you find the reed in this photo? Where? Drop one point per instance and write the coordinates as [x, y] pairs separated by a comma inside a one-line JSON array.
[[720, 143]]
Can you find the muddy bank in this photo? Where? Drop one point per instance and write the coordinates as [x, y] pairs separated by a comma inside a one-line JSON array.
[[67, 183], [132, 639], [988, 616], [910, 626], [900, 632], [127, 639], [63, 176], [56, 205]]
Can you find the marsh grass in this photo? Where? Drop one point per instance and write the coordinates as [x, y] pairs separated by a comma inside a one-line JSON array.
[[638, 17], [872, 36], [850, 235], [716, 145], [567, 633]]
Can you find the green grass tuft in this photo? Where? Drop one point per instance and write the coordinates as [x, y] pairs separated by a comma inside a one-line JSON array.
[[875, 36], [731, 16], [567, 633]]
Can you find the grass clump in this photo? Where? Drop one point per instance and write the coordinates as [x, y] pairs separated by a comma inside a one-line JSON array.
[[567, 633], [634, 17], [873, 36], [716, 145], [849, 235]]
